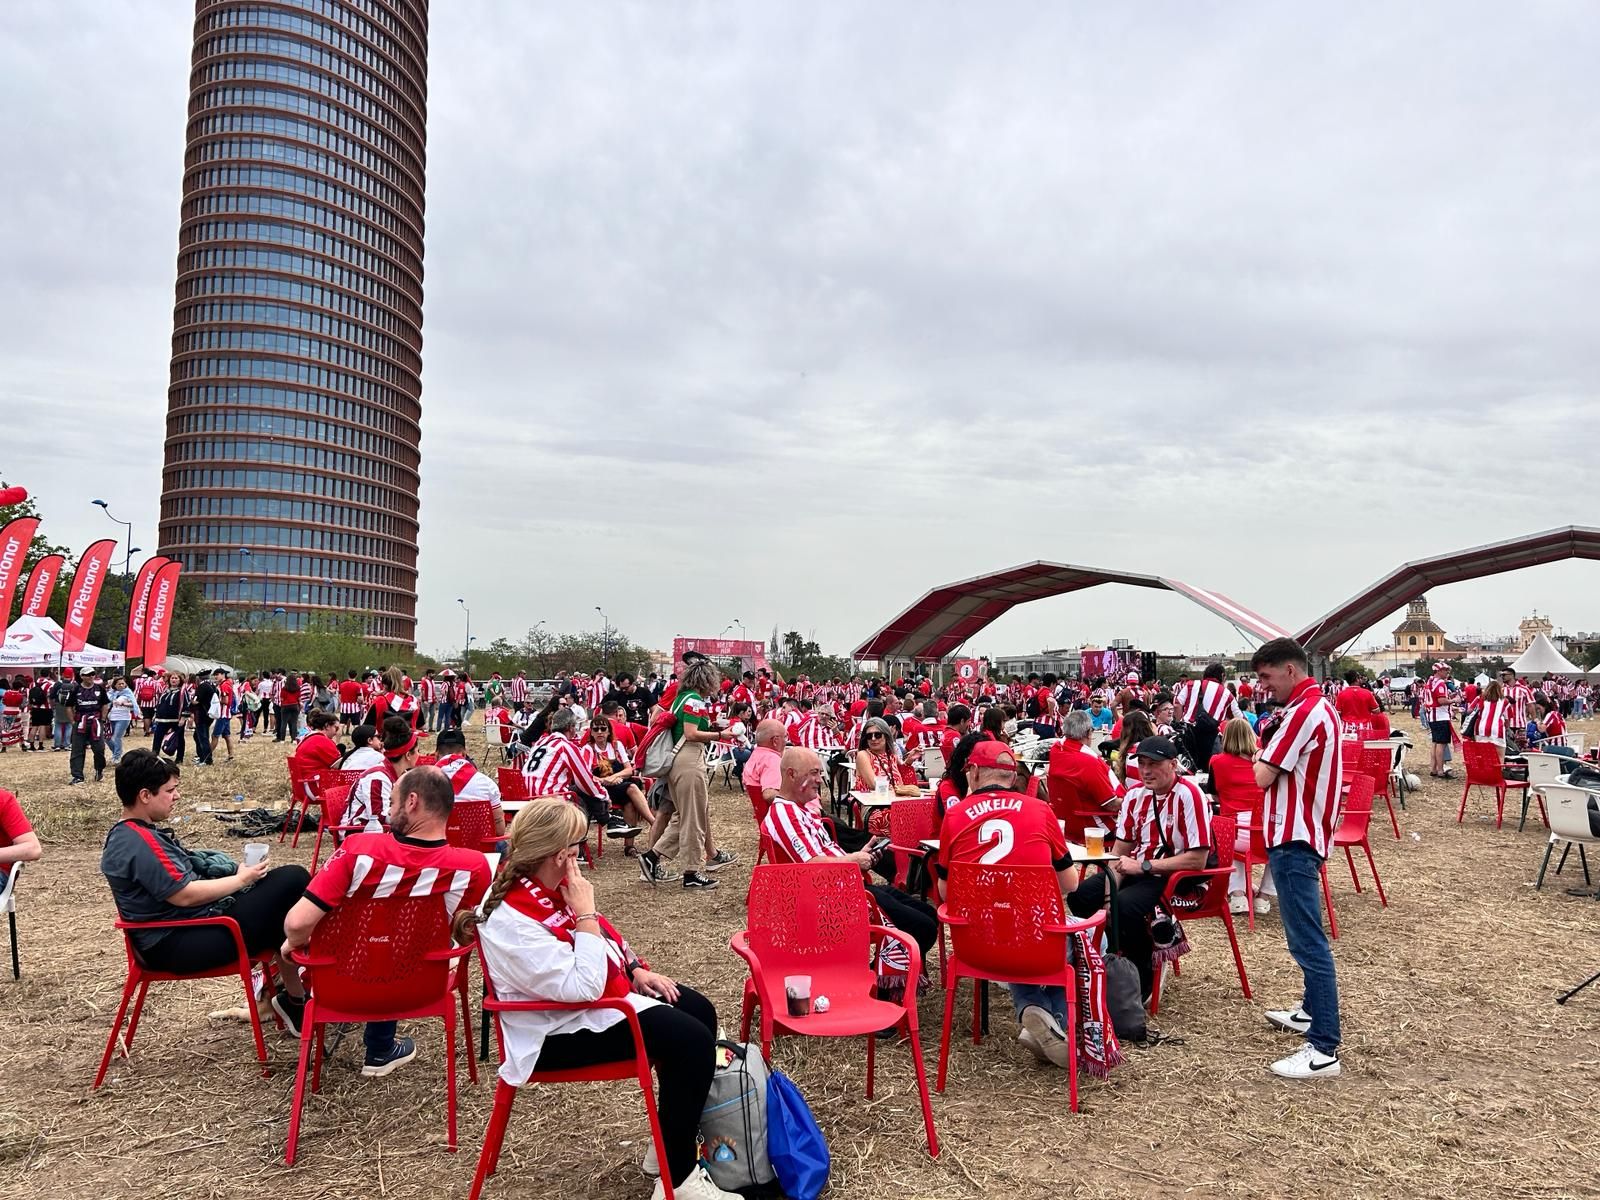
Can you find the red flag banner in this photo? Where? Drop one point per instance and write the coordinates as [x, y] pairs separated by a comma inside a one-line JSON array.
[[15, 539], [85, 594], [158, 614], [41, 586], [970, 670], [141, 600]]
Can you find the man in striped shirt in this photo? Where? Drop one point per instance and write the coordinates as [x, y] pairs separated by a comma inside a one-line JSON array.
[[1301, 771], [1520, 696], [413, 859], [1436, 715], [1207, 703], [554, 767]]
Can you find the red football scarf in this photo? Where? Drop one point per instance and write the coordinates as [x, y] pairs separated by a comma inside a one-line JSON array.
[[534, 901]]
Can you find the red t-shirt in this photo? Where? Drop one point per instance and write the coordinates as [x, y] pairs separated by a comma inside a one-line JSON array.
[[1001, 826], [668, 694], [1075, 775], [316, 752], [351, 692], [13, 824], [366, 864], [1356, 704], [1234, 780]]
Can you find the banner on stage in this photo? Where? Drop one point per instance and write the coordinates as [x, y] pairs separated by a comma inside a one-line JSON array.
[[752, 653], [970, 670]]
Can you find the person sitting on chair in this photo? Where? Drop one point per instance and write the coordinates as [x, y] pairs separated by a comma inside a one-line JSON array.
[[466, 781], [154, 878], [611, 764], [1079, 782], [994, 824], [18, 841], [543, 938], [412, 859], [764, 769]]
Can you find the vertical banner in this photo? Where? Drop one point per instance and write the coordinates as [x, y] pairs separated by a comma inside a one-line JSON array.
[[158, 614], [41, 586], [85, 594], [15, 539], [139, 603], [969, 670]]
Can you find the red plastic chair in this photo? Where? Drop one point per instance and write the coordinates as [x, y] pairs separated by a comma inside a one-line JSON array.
[[1485, 770], [1354, 823], [758, 802], [384, 959], [1213, 904], [505, 1095], [1254, 855], [1009, 924], [140, 977], [910, 820], [812, 919], [513, 784], [333, 793], [1350, 753], [302, 794], [471, 826], [1377, 764]]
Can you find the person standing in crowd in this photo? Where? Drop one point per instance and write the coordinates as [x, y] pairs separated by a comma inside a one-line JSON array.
[[123, 703], [205, 705], [152, 878], [1520, 696], [1301, 771], [1436, 714], [39, 711], [61, 710], [1357, 706], [350, 701], [88, 707], [222, 726], [147, 686], [690, 823], [167, 737], [428, 698], [288, 706], [249, 708], [412, 859]]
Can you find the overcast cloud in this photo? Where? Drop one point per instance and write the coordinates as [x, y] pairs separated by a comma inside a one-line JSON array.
[[788, 312]]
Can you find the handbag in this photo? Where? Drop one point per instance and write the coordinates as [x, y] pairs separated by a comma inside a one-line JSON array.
[[795, 1145], [1123, 998]]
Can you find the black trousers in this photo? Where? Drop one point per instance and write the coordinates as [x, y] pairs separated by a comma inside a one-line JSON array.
[[202, 739], [680, 1040], [79, 745], [916, 917], [259, 911], [1136, 900]]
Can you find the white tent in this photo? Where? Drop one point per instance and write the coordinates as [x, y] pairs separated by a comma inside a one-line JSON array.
[[34, 642], [1542, 658]]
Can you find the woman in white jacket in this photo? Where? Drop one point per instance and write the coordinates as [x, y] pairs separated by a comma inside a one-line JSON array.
[[544, 939]]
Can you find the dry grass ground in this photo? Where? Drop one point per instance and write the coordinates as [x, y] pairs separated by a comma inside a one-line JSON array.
[[1462, 1077]]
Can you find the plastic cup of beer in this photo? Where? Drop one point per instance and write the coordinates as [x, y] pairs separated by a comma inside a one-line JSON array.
[[797, 991], [255, 852], [1094, 842]]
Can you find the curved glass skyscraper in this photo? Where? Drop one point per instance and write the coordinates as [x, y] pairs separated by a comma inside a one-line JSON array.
[[290, 480]]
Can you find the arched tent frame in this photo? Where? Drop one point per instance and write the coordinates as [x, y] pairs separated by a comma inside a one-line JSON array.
[[945, 617], [1413, 579]]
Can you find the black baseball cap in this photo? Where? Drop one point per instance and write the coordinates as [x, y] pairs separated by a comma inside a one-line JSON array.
[[1157, 749], [690, 656]]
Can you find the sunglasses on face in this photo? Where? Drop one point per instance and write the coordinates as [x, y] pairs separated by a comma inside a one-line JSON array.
[[870, 736]]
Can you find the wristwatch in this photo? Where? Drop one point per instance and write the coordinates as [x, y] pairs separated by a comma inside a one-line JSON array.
[[1147, 867]]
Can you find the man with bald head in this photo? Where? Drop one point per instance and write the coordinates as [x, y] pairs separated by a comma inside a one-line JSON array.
[[798, 835], [764, 769]]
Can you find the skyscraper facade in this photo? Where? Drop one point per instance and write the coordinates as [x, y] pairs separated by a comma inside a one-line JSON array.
[[290, 481]]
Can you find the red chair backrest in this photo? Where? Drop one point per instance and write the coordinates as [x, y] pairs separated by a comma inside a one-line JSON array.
[[911, 820], [1376, 763], [1356, 809], [758, 802], [1351, 752], [334, 800], [330, 778], [806, 917], [471, 824], [427, 760], [1010, 911], [513, 785], [1483, 764], [1224, 829], [379, 949]]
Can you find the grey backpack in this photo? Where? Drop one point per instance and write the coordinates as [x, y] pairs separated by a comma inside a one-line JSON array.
[[734, 1122]]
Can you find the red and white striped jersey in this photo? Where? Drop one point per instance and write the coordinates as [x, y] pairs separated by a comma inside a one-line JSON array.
[[376, 866], [467, 781], [518, 689], [1161, 825], [1303, 802], [796, 835], [594, 691], [1435, 700], [607, 760], [425, 689], [369, 798], [1492, 718], [1519, 695], [553, 766], [1210, 696]]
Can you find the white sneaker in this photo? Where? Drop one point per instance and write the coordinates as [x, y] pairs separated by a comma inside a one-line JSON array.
[[697, 1187], [650, 1166], [1307, 1063], [1045, 1037], [1238, 905], [1263, 906], [1289, 1020]]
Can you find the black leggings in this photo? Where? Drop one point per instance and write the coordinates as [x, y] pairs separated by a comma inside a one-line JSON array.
[[680, 1040], [259, 912], [908, 914]]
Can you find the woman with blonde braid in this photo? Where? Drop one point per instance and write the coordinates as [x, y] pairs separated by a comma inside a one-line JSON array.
[[543, 939]]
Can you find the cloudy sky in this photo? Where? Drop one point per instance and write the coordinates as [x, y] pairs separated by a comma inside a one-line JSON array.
[[787, 312]]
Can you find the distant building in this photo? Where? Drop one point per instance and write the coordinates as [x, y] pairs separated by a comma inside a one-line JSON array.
[[1531, 627]]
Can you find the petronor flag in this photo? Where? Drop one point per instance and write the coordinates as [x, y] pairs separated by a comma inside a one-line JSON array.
[[15, 539], [137, 611], [41, 585], [84, 594]]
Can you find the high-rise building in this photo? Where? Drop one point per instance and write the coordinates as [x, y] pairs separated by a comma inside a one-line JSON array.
[[290, 483]]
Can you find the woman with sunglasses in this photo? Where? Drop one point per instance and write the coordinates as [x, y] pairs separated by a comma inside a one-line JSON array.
[[612, 766], [543, 938], [875, 760]]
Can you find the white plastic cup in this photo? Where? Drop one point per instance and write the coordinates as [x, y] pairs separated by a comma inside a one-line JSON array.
[[797, 991], [255, 852]]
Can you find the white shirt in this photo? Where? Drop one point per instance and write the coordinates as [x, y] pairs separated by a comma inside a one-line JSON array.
[[362, 758], [528, 962]]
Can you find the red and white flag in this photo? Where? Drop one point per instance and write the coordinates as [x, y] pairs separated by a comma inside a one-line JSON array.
[[158, 614], [15, 539], [141, 600], [41, 585], [85, 594]]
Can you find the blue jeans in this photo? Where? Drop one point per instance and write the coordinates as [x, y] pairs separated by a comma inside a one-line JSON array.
[[1052, 999], [118, 728], [61, 736], [1297, 870], [379, 1038]]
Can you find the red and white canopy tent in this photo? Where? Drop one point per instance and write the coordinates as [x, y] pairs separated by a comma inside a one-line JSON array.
[[945, 617], [35, 642]]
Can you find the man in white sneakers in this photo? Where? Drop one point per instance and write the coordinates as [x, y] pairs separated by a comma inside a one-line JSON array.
[[1299, 767]]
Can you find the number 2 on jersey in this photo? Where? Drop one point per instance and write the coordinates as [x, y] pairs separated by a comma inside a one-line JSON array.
[[1002, 834]]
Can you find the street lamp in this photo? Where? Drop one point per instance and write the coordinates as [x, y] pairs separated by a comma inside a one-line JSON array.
[[740, 624], [466, 645], [127, 563], [605, 639]]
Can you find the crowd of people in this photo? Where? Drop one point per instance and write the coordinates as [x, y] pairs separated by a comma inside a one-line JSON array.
[[1014, 771]]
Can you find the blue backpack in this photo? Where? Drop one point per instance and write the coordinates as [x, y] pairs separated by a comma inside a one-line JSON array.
[[795, 1146]]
